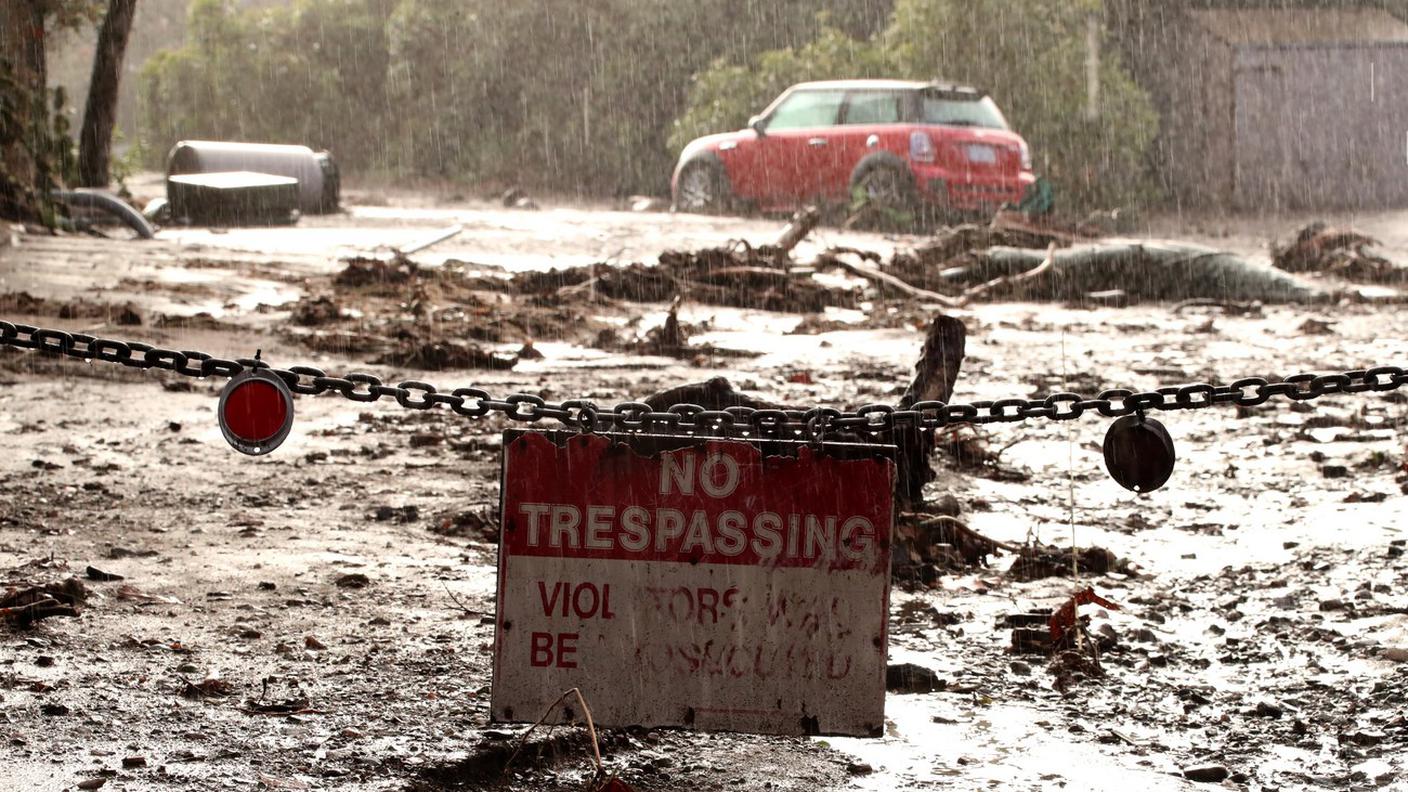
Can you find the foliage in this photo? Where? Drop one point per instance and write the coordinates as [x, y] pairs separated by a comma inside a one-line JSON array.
[[561, 94], [313, 72], [1029, 54], [37, 153], [726, 95]]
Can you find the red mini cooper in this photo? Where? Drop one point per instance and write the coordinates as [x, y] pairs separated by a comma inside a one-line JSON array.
[[906, 145]]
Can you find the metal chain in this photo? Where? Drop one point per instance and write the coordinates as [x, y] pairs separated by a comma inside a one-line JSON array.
[[742, 422]]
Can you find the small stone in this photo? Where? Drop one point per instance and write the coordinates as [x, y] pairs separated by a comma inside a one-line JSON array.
[[134, 761], [54, 710], [1206, 773], [44, 661], [1267, 709], [1332, 605], [1019, 668], [911, 678], [1365, 738], [354, 580], [313, 643], [92, 783], [1334, 471], [859, 768]]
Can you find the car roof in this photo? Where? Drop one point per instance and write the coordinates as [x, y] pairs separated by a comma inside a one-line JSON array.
[[891, 85]]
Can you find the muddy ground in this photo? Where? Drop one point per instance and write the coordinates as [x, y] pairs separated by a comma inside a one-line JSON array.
[[321, 618]]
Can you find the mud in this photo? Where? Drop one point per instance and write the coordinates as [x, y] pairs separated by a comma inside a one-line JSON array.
[[1264, 632]]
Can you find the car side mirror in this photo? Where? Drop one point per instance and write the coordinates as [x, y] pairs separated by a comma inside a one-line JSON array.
[[758, 124]]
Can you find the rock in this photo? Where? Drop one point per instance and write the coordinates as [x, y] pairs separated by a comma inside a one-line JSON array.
[[859, 769], [353, 580], [1267, 709], [1212, 773], [93, 573], [1019, 668], [400, 514], [134, 761], [1363, 737], [1334, 471], [1332, 605], [911, 678], [92, 783]]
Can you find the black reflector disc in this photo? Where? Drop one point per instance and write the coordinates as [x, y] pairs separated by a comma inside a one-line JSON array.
[[1139, 453]]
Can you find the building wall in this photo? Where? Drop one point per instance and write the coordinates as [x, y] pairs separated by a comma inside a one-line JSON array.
[[1321, 127]]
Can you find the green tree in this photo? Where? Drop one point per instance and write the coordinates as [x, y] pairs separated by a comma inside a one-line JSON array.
[[1031, 56], [726, 95], [311, 73]]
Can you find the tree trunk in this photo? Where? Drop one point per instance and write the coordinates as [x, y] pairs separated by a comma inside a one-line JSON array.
[[95, 141], [23, 111]]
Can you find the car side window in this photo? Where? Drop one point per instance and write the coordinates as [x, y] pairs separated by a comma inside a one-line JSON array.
[[807, 109], [873, 107]]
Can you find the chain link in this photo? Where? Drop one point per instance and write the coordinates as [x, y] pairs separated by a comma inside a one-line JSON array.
[[810, 425]]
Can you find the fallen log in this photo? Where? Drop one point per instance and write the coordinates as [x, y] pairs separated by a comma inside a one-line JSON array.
[[802, 224], [1144, 270]]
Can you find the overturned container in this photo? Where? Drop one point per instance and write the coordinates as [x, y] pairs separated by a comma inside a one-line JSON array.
[[233, 198], [319, 187]]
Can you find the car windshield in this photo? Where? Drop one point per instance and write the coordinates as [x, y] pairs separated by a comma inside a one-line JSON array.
[[936, 108]]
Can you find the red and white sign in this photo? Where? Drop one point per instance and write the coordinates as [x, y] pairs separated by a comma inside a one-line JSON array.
[[708, 586]]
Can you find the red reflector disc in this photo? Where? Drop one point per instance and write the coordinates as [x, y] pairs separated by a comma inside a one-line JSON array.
[[256, 412]]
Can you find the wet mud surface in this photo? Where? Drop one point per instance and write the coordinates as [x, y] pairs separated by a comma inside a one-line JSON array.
[[321, 618]]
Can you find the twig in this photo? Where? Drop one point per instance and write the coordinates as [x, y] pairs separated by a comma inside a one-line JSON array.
[[457, 602], [887, 279], [435, 239], [960, 527], [983, 288], [591, 729]]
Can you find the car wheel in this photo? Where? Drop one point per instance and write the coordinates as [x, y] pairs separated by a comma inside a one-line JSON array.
[[886, 189], [703, 188]]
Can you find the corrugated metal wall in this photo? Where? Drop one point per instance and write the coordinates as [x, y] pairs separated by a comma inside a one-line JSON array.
[[1320, 126]]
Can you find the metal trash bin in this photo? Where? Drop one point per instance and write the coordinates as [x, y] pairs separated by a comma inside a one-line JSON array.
[[319, 184]]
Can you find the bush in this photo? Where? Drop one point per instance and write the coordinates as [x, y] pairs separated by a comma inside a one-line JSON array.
[[1029, 54], [726, 95], [313, 73], [552, 94]]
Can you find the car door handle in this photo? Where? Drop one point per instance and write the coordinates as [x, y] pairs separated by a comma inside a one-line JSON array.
[[818, 142]]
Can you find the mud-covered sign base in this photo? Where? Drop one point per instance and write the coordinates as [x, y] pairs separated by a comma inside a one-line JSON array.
[[713, 584]]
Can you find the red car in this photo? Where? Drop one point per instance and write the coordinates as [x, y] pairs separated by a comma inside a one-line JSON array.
[[908, 145]]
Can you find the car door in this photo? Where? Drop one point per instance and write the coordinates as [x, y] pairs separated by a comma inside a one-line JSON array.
[[795, 146], [869, 117]]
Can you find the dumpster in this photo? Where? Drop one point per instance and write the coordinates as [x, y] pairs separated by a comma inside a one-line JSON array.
[[316, 172], [233, 198]]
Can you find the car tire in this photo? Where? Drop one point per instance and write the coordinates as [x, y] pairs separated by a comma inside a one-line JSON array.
[[884, 191], [703, 188]]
